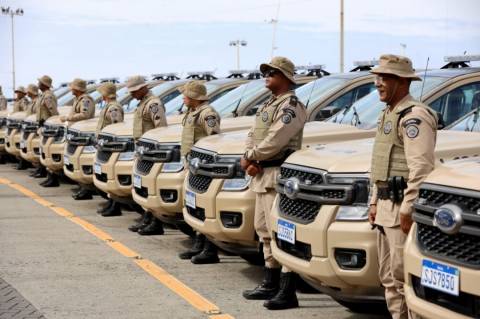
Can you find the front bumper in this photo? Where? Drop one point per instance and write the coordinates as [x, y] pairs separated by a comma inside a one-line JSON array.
[[3, 134], [52, 155], [31, 151], [112, 173], [413, 267], [238, 239], [12, 144], [80, 166], [322, 238]]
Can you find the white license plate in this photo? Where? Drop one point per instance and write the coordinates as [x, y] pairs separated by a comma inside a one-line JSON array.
[[97, 168], [190, 199], [286, 231], [22, 144], [440, 277], [137, 181], [66, 160]]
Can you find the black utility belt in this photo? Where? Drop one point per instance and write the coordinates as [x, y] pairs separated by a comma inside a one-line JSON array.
[[392, 189], [272, 163]]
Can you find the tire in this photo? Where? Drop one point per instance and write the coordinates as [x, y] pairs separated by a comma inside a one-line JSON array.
[[365, 307]]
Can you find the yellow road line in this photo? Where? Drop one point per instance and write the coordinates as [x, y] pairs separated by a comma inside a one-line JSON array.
[[188, 294]]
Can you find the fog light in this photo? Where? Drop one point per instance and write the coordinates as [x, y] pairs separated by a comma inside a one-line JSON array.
[[350, 258], [87, 169], [231, 219], [125, 180], [57, 157], [169, 195]]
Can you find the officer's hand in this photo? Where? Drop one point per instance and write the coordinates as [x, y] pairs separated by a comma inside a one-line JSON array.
[[244, 163], [372, 213], [63, 118], [406, 222], [253, 170]]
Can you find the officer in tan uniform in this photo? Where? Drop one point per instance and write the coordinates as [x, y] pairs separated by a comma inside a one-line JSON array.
[[403, 156], [83, 104], [32, 92], [3, 101], [112, 113], [46, 107], [21, 101], [277, 133], [201, 120]]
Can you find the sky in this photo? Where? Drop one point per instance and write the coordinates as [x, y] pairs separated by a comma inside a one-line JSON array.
[[91, 39]]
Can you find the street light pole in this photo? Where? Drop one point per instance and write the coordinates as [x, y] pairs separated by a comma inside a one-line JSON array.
[[341, 37], [12, 13], [238, 44]]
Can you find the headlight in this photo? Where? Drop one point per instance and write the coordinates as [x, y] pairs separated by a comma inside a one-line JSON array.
[[352, 213], [126, 156], [89, 149], [173, 167], [236, 184]]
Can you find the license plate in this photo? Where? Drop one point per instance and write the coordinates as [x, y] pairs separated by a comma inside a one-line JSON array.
[[137, 181], [190, 199], [286, 231], [440, 277], [22, 144], [66, 160], [97, 168]]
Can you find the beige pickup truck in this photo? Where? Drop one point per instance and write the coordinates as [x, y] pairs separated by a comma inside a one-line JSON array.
[[442, 252], [3, 131], [14, 133], [30, 141]]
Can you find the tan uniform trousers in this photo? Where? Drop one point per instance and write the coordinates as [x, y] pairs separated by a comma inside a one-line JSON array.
[[390, 256]]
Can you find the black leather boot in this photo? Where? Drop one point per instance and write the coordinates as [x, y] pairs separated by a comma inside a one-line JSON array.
[[104, 206], [196, 249], [286, 297], [268, 288], [154, 228], [209, 254], [113, 210], [22, 164], [82, 194], [41, 172], [144, 222], [52, 181]]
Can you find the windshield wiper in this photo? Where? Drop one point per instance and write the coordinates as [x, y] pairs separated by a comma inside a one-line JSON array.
[[234, 112], [311, 92], [474, 120], [356, 117]]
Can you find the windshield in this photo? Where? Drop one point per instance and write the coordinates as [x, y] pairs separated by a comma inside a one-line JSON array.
[[364, 113], [469, 123], [67, 98], [242, 95], [61, 91], [176, 104], [317, 90], [157, 91]]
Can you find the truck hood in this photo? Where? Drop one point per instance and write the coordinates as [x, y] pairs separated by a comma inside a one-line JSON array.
[[3, 114], [173, 133], [86, 126], [314, 133], [18, 116], [356, 156], [459, 173]]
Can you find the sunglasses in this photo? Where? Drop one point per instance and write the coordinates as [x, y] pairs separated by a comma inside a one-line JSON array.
[[270, 73]]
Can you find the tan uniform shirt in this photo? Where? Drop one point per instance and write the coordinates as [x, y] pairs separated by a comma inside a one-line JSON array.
[[112, 113], [418, 131], [83, 108], [20, 105], [31, 108], [278, 136], [3, 102], [47, 106], [150, 114]]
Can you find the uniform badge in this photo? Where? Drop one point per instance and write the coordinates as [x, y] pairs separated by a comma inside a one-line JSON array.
[[265, 116], [412, 131], [190, 120], [387, 128], [154, 108], [286, 118], [211, 121]]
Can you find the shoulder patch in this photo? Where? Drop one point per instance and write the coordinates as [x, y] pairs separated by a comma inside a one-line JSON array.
[[412, 131], [286, 118], [293, 101], [290, 112], [154, 108], [212, 122], [414, 121], [210, 117]]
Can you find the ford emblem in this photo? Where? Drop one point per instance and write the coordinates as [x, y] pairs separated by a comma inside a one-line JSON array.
[[448, 218], [291, 187]]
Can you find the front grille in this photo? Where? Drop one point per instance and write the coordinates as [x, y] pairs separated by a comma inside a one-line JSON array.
[[147, 145], [460, 247], [143, 191], [103, 156], [101, 177], [204, 157], [144, 167], [199, 183], [303, 176], [465, 303], [71, 148], [299, 210], [198, 213], [299, 249], [105, 137]]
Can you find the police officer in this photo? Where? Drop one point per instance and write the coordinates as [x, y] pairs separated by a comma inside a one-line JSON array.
[[3, 101], [112, 113], [201, 120], [46, 107], [149, 114], [277, 132], [32, 92], [403, 156], [21, 101]]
